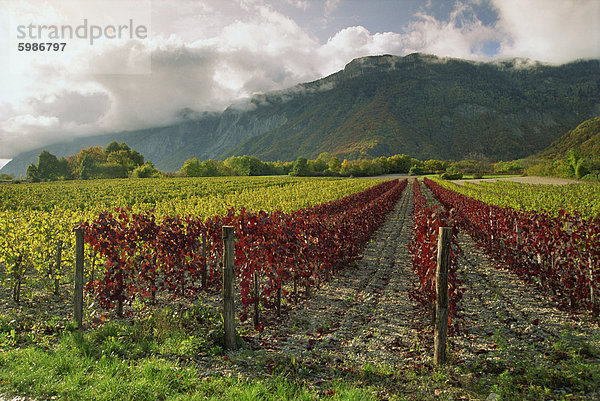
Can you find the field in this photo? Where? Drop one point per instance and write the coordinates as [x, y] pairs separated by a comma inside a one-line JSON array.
[[532, 194], [524, 180], [332, 295]]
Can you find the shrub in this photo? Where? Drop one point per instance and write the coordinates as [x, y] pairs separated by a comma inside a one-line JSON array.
[[416, 170], [146, 170], [452, 176]]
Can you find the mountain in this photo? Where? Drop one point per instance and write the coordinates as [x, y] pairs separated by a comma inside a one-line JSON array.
[[429, 107], [585, 138], [421, 105]]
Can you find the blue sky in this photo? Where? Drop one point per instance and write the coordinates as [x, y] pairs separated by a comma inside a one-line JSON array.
[[207, 54], [376, 16]]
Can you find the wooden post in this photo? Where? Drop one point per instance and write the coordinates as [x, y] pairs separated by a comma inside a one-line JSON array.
[[57, 269], [204, 273], [278, 302], [441, 316], [278, 295], [295, 289], [256, 301], [307, 287], [228, 277], [78, 293], [592, 293]]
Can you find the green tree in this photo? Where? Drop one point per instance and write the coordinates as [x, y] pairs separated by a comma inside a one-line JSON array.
[[320, 164], [246, 165], [87, 168], [381, 165], [112, 147], [48, 166], [581, 170], [191, 167], [300, 168], [416, 170], [95, 152], [64, 169], [574, 159], [335, 164], [110, 171], [399, 164], [434, 166], [126, 157], [593, 165], [209, 168], [32, 173]]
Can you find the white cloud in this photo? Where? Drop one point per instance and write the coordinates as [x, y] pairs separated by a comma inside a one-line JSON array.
[[457, 37], [28, 122], [555, 31], [299, 4], [462, 35], [39, 129], [354, 42]]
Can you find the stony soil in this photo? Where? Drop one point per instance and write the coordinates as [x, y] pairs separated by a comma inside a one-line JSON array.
[[364, 314]]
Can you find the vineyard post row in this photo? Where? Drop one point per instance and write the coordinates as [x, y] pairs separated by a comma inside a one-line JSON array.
[[228, 279], [78, 291], [143, 256]]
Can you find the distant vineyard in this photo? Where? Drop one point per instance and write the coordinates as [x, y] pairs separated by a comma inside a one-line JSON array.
[[581, 199]]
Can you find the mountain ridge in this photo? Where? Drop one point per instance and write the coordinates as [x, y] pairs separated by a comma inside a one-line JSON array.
[[421, 105], [585, 138]]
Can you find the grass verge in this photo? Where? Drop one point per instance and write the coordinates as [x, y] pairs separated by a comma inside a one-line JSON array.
[[177, 355]]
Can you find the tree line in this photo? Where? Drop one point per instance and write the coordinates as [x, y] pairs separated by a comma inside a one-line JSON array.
[[572, 165], [116, 160], [328, 165]]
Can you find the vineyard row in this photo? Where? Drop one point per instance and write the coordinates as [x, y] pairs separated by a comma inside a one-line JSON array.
[[424, 249], [561, 254], [274, 251]]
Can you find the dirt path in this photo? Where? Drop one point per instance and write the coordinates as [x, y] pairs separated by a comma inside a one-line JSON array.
[[364, 314]]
